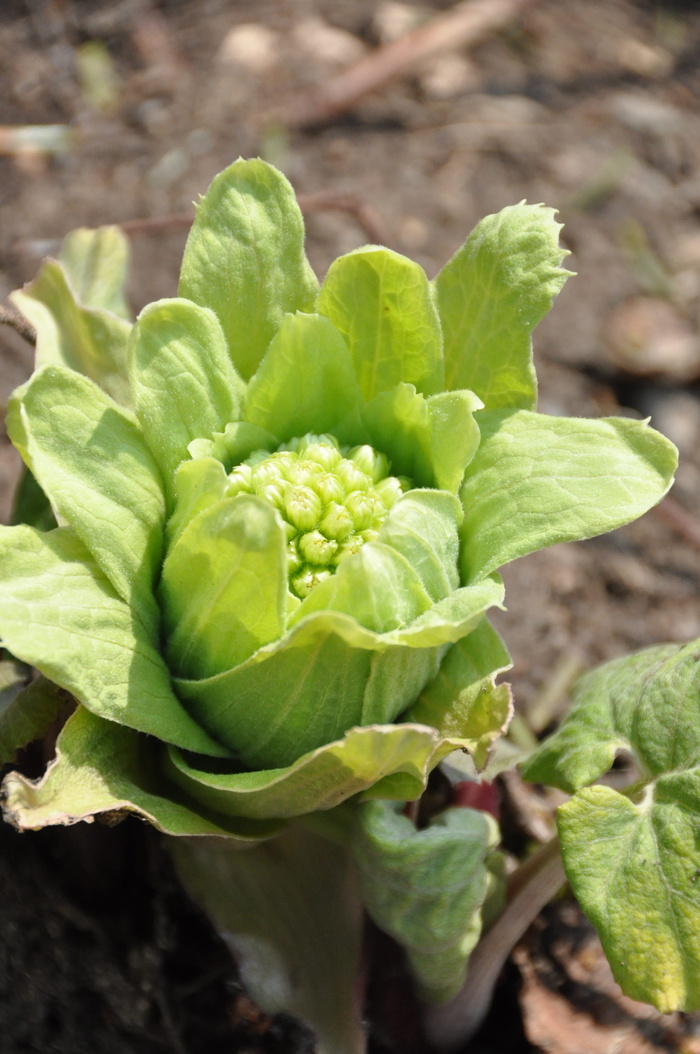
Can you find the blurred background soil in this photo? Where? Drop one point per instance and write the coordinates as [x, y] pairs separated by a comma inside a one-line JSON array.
[[592, 108]]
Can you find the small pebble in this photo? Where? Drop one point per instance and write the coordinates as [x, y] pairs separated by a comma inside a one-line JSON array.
[[250, 45]]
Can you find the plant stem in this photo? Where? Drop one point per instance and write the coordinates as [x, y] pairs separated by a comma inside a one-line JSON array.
[[532, 886]]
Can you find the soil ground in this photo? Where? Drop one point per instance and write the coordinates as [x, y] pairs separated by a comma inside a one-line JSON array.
[[592, 108]]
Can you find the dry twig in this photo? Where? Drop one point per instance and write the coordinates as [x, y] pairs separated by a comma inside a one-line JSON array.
[[321, 201], [465, 24], [13, 319], [337, 201], [172, 221]]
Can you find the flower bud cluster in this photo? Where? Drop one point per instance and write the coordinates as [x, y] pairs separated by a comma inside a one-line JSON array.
[[331, 500]]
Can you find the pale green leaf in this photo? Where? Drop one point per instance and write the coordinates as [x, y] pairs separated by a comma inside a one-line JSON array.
[[423, 527], [289, 910], [59, 613], [382, 304], [223, 587], [198, 484], [326, 675], [463, 701], [633, 858], [245, 259], [96, 263], [427, 888], [183, 381], [104, 769], [431, 441], [277, 706], [377, 586], [91, 459], [454, 435], [491, 295], [362, 761], [536, 480], [306, 382], [454, 617], [85, 339], [397, 676]]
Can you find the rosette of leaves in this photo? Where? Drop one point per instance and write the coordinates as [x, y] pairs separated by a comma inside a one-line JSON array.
[[281, 513]]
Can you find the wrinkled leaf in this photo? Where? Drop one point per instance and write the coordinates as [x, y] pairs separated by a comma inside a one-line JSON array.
[[245, 259], [633, 859], [537, 480], [104, 768], [85, 339], [386, 761], [464, 695], [382, 304], [491, 295], [647, 703], [426, 888]]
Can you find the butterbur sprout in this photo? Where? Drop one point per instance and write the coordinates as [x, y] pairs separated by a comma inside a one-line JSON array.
[[283, 508]]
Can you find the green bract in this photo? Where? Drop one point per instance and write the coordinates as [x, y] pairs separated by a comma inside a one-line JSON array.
[[282, 510]]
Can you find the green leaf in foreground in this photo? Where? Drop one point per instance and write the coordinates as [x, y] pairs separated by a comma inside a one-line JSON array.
[[224, 586], [103, 767], [426, 888], [56, 606], [633, 859], [91, 460], [388, 761], [491, 295], [245, 259], [537, 480]]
